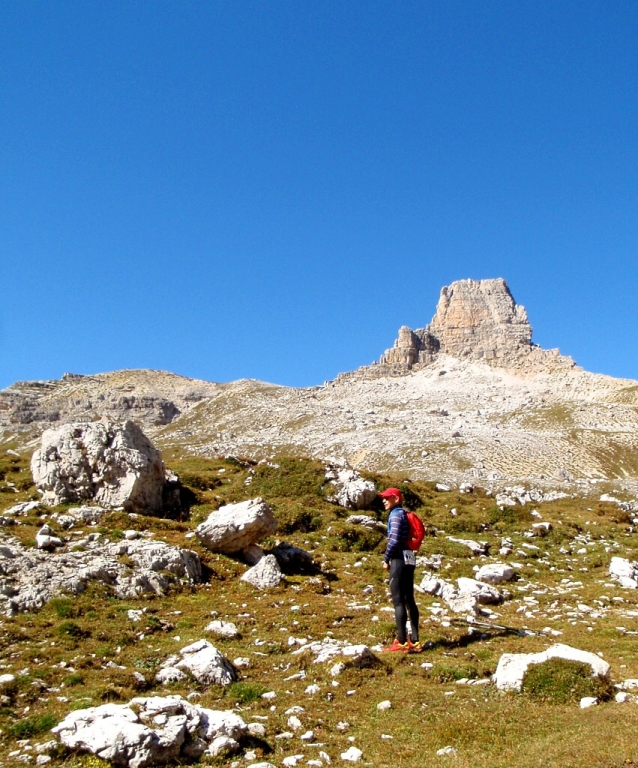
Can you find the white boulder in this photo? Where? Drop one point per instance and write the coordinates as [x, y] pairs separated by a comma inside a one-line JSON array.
[[224, 629], [624, 571], [351, 490], [112, 464], [495, 573], [46, 539], [512, 667], [204, 663], [265, 575], [235, 527]]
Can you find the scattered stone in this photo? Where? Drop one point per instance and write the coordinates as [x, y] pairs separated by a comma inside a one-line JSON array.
[[442, 487], [383, 705], [588, 701], [446, 751], [431, 562], [113, 464], [367, 522], [512, 667], [495, 573], [351, 490], [265, 575], [225, 629], [352, 755], [464, 598], [329, 649], [477, 548], [235, 527]]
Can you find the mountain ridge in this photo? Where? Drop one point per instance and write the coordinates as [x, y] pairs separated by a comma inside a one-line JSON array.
[[468, 397]]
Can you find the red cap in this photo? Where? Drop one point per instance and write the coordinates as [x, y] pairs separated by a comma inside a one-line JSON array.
[[391, 492]]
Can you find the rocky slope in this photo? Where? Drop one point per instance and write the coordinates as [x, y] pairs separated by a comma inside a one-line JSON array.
[[469, 396]]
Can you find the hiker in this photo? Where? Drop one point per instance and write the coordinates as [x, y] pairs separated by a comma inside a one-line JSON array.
[[400, 561]]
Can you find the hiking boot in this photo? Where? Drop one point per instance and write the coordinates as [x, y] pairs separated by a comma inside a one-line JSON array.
[[414, 647], [397, 647]]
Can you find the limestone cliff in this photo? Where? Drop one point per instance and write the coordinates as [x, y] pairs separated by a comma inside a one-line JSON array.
[[475, 320]]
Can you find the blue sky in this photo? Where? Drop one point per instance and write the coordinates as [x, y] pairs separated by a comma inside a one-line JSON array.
[[270, 189]]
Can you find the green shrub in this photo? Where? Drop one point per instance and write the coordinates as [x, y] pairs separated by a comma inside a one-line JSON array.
[[63, 607], [559, 681], [244, 693], [71, 629], [355, 538], [74, 679], [293, 478], [31, 726]]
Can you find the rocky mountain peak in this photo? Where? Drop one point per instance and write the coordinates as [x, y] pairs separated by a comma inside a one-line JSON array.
[[476, 320]]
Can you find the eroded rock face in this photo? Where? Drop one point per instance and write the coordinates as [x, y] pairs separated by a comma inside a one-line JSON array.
[[512, 667], [235, 527], [115, 465], [30, 578], [150, 731], [475, 320]]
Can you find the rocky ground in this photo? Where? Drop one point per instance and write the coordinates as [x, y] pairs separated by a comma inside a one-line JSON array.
[[308, 683]]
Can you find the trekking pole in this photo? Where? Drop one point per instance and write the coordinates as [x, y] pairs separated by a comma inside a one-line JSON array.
[[470, 622]]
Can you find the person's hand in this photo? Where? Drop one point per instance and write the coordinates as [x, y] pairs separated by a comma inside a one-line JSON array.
[[386, 566]]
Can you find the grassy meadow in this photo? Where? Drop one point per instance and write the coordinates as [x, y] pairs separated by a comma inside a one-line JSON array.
[[83, 651]]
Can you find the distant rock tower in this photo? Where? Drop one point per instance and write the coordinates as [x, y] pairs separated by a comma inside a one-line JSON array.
[[475, 320]]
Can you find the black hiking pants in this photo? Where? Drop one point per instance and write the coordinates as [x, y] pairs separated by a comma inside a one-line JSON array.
[[402, 591]]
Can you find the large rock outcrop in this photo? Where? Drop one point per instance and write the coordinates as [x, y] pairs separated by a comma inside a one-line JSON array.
[[115, 465], [475, 320], [29, 578], [235, 527]]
